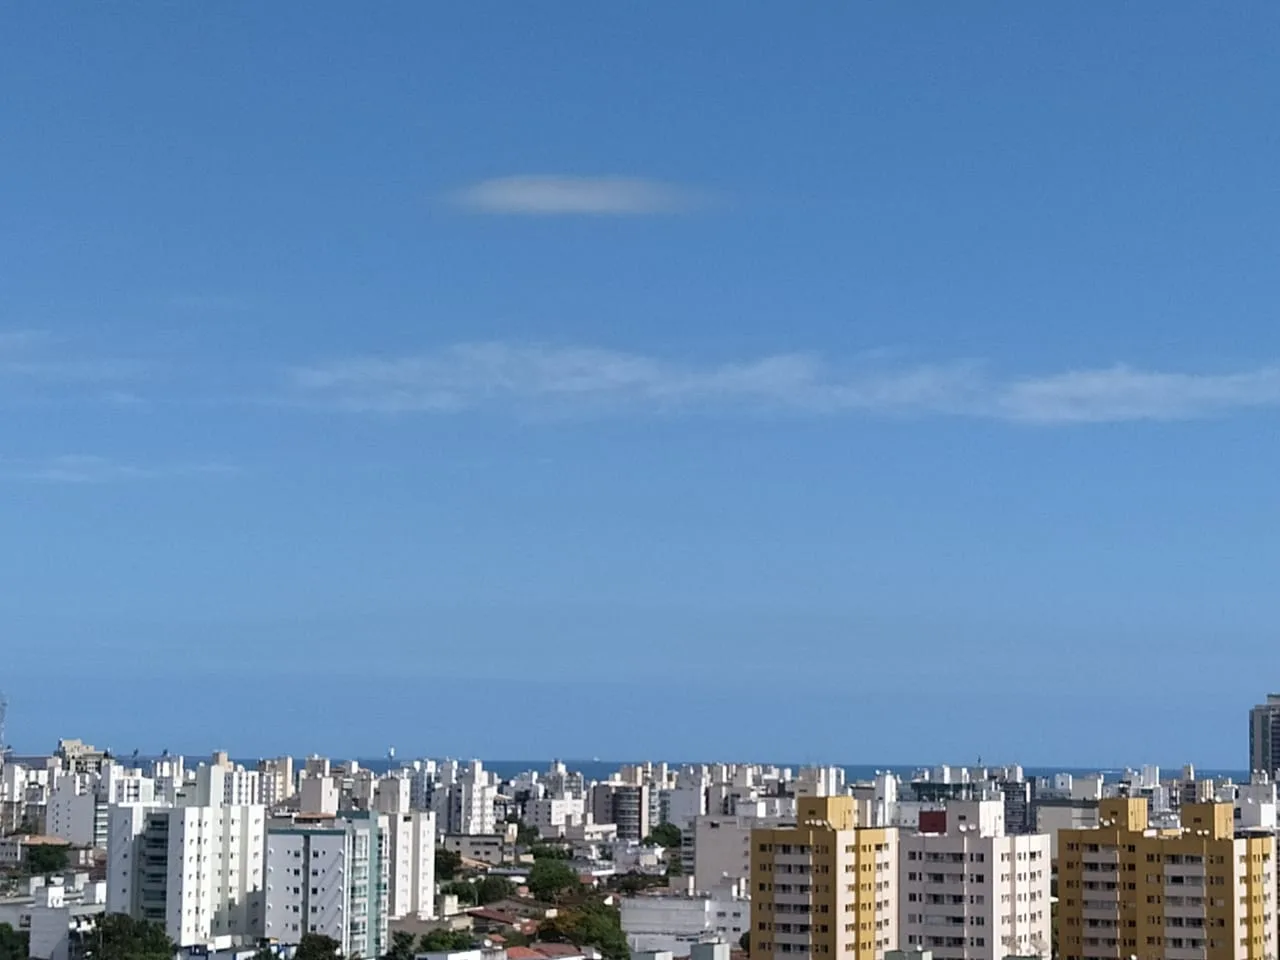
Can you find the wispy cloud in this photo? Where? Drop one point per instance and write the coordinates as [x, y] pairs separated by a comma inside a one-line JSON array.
[[541, 379], [78, 468], [544, 195], [34, 358]]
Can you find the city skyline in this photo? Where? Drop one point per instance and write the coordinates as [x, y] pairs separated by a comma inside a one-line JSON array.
[[597, 376]]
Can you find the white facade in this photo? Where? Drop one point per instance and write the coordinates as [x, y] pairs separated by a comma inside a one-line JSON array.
[[674, 923], [465, 807], [275, 781], [411, 867], [196, 869], [57, 912], [974, 893], [688, 800], [219, 785], [72, 811], [319, 794], [551, 815], [325, 878], [721, 849], [1255, 805]]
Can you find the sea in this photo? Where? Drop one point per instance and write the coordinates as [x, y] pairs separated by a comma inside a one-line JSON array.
[[597, 769]]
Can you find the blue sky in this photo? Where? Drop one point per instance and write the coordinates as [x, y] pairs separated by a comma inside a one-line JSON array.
[[866, 383]]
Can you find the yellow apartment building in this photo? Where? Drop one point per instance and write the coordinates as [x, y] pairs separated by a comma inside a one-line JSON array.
[[1198, 892], [824, 888]]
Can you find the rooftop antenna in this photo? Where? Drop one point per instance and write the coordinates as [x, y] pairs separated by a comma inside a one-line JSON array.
[[4, 709]]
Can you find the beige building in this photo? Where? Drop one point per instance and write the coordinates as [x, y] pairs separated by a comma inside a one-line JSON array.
[[824, 887], [1198, 892]]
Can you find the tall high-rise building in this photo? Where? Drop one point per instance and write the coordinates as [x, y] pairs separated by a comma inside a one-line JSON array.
[[631, 807], [275, 781], [971, 891], [328, 875], [1264, 736], [1197, 891], [824, 887], [196, 869]]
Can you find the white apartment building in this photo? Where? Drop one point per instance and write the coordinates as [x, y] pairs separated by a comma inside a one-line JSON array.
[[319, 794], [465, 807], [117, 784], [550, 815], [411, 867], [275, 781], [969, 891], [718, 849], [226, 785], [688, 799], [327, 875], [169, 774], [1255, 804], [411, 851], [196, 869], [674, 921], [72, 812]]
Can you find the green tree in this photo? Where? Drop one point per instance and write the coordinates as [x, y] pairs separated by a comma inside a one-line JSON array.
[[550, 878], [448, 864], [13, 943], [442, 941], [491, 889], [744, 941], [402, 943], [664, 835], [526, 836], [549, 851], [594, 924], [316, 946], [117, 936], [464, 890], [46, 858]]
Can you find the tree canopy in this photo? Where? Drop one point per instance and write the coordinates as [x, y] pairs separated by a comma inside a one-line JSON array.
[[448, 863], [664, 835], [402, 946], [490, 889], [594, 924], [442, 941], [46, 858], [316, 946], [550, 878], [117, 936], [550, 851], [13, 943]]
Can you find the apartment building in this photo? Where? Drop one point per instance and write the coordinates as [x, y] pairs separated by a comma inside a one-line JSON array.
[[717, 850], [275, 781], [1264, 736], [550, 815], [970, 891], [411, 864], [687, 800], [632, 807], [1197, 892], [196, 869], [327, 875], [824, 886]]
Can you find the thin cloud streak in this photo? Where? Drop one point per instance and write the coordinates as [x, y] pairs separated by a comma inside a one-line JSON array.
[[86, 469], [33, 356], [539, 379], [544, 195]]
